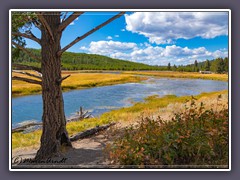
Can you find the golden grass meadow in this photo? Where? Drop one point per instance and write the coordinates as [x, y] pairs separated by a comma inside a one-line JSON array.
[[176, 74], [79, 79], [75, 81]]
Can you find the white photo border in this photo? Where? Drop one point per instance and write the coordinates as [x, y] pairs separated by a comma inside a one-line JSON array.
[[118, 10]]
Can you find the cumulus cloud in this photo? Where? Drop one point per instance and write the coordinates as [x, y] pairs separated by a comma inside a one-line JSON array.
[[153, 55], [109, 47], [220, 53], [109, 37], [116, 36], [72, 23], [166, 27]]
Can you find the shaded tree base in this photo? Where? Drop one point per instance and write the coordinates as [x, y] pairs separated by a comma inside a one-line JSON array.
[[53, 148]]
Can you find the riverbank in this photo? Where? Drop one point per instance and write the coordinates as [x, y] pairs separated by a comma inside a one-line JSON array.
[[152, 106], [75, 81], [176, 74], [83, 79]]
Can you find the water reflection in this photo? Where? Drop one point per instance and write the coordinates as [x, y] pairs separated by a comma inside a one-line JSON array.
[[102, 99]]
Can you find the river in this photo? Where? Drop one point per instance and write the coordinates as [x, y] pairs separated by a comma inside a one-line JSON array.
[[98, 100]]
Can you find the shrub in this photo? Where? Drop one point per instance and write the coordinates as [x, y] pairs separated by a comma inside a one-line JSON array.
[[194, 137]]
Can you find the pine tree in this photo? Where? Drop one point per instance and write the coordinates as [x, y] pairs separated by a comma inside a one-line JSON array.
[[169, 66], [196, 69], [174, 67], [220, 65], [226, 64], [207, 65]]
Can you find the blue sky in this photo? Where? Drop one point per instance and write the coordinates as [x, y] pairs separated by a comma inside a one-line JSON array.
[[154, 38]]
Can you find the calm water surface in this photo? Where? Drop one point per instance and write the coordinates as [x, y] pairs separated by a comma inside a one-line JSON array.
[[102, 99]]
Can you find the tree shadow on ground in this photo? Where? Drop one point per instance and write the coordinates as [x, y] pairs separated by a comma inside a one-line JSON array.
[[87, 153]]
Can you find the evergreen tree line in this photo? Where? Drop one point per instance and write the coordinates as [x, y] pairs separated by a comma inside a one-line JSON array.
[[82, 61], [219, 65]]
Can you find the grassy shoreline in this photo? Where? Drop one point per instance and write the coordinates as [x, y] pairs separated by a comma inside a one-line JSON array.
[[81, 80], [176, 74], [151, 106], [76, 81]]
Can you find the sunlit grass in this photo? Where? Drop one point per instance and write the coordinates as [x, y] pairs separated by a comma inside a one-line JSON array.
[[153, 104], [149, 107], [176, 74], [20, 140], [75, 81], [97, 79], [85, 80]]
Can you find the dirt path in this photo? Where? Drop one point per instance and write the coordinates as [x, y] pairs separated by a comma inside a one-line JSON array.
[[86, 153]]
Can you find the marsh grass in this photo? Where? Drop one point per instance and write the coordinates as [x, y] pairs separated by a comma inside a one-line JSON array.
[[75, 81], [152, 105], [79, 79], [176, 74]]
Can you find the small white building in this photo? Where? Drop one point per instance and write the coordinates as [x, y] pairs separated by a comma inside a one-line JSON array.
[[205, 72]]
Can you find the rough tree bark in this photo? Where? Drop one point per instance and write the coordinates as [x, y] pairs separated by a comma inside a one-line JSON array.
[[54, 122]]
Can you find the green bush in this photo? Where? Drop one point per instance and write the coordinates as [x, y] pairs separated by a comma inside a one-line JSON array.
[[194, 137]]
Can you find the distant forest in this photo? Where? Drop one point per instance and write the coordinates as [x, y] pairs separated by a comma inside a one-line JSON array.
[[82, 61], [219, 65]]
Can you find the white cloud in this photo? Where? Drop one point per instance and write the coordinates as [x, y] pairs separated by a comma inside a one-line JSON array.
[[123, 30], [166, 27], [72, 23], [153, 55], [116, 36], [220, 53], [109, 47], [109, 37], [84, 48]]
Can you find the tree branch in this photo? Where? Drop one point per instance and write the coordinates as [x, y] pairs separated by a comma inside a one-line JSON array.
[[24, 127], [27, 51], [29, 36], [25, 67], [28, 74], [27, 80], [70, 19], [37, 24], [46, 25], [64, 17], [90, 132], [89, 32], [63, 78]]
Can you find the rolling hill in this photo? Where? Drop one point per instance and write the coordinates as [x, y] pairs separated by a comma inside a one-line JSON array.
[[82, 61]]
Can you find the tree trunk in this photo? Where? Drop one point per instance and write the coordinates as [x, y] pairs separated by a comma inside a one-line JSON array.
[[54, 133]]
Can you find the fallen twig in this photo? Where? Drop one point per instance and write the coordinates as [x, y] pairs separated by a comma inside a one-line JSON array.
[[90, 132], [23, 128]]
